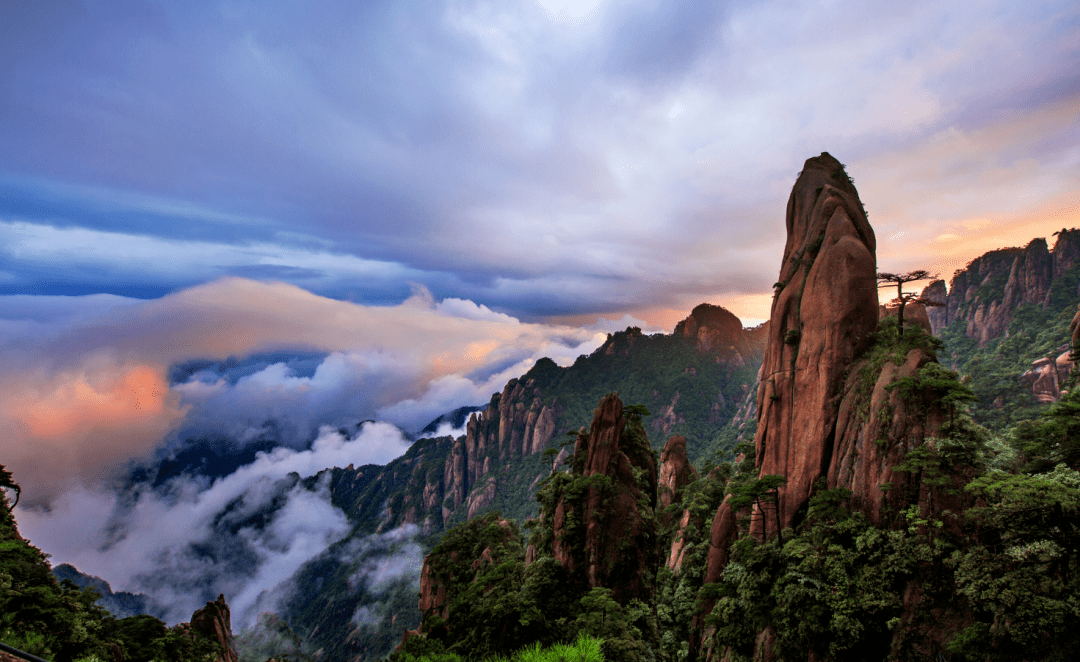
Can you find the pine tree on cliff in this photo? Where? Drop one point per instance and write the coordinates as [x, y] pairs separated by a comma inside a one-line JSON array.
[[886, 279]]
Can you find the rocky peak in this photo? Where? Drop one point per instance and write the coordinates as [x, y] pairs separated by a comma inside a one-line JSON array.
[[617, 546], [829, 414], [676, 472], [714, 329], [213, 621], [823, 317], [985, 293]]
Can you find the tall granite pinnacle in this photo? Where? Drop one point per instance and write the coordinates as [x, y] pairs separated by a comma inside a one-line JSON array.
[[823, 316], [828, 414]]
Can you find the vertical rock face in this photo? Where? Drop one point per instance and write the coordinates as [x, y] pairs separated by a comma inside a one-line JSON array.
[[676, 472], [617, 548], [989, 289], [914, 313], [938, 315], [213, 620], [823, 316], [828, 407]]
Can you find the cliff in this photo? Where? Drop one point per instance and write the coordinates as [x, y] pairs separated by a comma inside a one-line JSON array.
[[823, 317], [694, 381], [985, 294], [840, 402], [617, 546]]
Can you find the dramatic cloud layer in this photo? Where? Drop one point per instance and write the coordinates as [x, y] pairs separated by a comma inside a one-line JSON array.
[[191, 539], [82, 393], [550, 159]]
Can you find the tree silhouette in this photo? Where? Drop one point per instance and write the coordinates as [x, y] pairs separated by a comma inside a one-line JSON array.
[[886, 279]]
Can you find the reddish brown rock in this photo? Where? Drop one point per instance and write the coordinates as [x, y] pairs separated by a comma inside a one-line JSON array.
[[676, 472], [1046, 377], [432, 591], [821, 414], [482, 497], [617, 548], [714, 329], [1028, 274], [213, 621], [823, 317]]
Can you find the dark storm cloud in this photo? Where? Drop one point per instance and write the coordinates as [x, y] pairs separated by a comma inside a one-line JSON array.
[[639, 156]]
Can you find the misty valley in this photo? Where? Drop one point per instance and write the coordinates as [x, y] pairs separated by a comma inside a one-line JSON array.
[[846, 481]]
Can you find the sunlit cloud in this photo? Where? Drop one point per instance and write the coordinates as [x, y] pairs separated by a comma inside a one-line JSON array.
[[91, 388]]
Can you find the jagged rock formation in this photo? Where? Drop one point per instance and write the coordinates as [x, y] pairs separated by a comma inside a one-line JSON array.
[[676, 472], [823, 316], [616, 548], [443, 481], [1047, 376], [985, 294], [827, 408], [213, 621]]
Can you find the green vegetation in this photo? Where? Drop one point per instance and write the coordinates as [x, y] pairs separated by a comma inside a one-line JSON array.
[[1035, 332], [584, 649], [985, 569], [60, 622]]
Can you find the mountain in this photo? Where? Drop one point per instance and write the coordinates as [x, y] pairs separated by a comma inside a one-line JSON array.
[[1006, 327], [695, 382], [120, 605], [60, 620], [985, 294], [873, 519]]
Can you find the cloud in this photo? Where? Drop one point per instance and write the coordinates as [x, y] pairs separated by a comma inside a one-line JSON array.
[[480, 148], [83, 393], [244, 534]]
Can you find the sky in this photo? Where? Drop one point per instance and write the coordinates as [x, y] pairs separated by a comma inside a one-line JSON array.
[[254, 220]]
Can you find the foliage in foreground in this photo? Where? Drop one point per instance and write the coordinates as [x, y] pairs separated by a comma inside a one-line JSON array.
[[60, 622], [584, 649], [996, 579]]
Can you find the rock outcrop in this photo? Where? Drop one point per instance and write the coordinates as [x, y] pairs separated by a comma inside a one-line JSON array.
[[617, 546], [715, 330], [1047, 376], [213, 621], [985, 294], [823, 317], [829, 414], [676, 472], [914, 314]]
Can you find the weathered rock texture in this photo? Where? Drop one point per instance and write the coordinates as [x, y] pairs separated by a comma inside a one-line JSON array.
[[676, 472], [1047, 376], [915, 314], [823, 316], [617, 547], [442, 481], [825, 407], [716, 330], [985, 294], [213, 621]]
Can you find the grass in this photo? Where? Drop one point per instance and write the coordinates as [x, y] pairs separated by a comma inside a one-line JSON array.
[[585, 649]]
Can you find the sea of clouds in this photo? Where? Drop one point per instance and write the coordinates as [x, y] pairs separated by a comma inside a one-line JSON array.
[[103, 390]]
